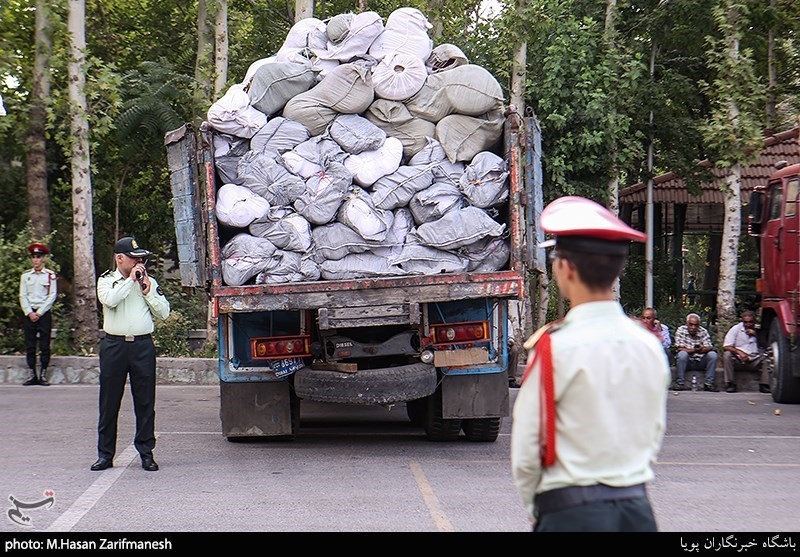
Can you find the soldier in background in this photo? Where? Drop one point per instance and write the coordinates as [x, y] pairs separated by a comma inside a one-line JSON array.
[[37, 294]]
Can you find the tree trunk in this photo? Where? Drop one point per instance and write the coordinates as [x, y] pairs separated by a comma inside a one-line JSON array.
[[36, 171], [203, 65], [303, 9], [772, 79], [221, 48], [84, 286]]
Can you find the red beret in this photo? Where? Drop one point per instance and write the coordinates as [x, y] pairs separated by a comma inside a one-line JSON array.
[[38, 248]]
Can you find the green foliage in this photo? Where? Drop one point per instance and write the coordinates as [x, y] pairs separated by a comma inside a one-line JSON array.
[[170, 335]]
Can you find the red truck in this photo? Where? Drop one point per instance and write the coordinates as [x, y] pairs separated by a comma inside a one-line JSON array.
[[775, 220]]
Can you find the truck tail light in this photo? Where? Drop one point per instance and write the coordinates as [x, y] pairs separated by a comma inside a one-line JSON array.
[[460, 333], [270, 348]]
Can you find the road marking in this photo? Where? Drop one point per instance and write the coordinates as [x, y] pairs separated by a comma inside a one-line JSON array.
[[431, 501], [93, 493]]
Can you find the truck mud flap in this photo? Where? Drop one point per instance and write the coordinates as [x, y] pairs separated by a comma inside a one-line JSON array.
[[371, 386]]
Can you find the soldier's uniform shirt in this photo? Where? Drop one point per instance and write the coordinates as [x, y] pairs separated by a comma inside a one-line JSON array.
[[126, 311], [611, 377], [37, 291]]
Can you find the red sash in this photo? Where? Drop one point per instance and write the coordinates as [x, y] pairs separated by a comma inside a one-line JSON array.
[[547, 402]]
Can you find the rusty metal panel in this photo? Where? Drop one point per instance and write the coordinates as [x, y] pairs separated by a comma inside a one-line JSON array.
[[255, 409], [475, 396], [372, 292], [181, 147]]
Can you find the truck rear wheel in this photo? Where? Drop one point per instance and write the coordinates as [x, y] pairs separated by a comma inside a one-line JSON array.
[[784, 386], [484, 430], [436, 427]]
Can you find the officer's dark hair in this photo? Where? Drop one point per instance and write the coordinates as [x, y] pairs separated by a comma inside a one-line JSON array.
[[597, 271]]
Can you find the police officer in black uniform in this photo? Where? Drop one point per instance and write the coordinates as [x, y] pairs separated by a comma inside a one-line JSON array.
[[131, 299]]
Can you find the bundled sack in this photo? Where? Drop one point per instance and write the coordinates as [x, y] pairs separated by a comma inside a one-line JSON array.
[[243, 257], [434, 157], [469, 90], [269, 179], [233, 114], [238, 206], [335, 240], [434, 202], [324, 194], [350, 35], [347, 89], [308, 57], [251, 71], [402, 224], [312, 156], [355, 134], [394, 118], [424, 260], [308, 32], [284, 228], [457, 228], [484, 180], [487, 255], [399, 76], [406, 32], [445, 57], [462, 137], [359, 213], [397, 189], [228, 151], [368, 167], [358, 265], [279, 135], [274, 84]]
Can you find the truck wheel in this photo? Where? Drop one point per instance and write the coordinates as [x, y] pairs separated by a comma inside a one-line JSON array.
[[417, 411], [370, 386], [436, 427], [785, 388], [483, 430]]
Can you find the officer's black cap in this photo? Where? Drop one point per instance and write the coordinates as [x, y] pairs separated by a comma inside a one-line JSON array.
[[129, 247]]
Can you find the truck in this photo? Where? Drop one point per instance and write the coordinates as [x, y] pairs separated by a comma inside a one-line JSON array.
[[774, 220], [437, 343]]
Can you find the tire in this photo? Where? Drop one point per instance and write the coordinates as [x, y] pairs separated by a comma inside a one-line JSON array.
[[436, 427], [417, 411], [785, 388], [483, 430], [372, 386]]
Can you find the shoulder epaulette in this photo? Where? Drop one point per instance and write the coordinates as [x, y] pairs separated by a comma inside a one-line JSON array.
[[535, 337], [108, 272]]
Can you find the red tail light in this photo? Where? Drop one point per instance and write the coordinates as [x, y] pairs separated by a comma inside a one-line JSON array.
[[459, 333], [280, 347]]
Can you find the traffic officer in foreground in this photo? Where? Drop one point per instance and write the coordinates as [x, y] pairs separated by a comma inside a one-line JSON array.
[[131, 299], [590, 416], [37, 294]]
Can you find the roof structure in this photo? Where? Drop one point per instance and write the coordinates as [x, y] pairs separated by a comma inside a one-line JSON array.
[[705, 211]]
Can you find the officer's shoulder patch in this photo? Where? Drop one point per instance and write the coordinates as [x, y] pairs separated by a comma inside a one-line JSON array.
[[160, 291]]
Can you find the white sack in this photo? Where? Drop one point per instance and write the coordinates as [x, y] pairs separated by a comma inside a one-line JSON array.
[[394, 118], [238, 206], [369, 166], [399, 76], [265, 177], [324, 194], [396, 189], [359, 213], [284, 267], [406, 32], [274, 84], [278, 135], [335, 240], [462, 137], [284, 228], [424, 260], [434, 157], [233, 114], [457, 228], [363, 29], [243, 257], [445, 57], [355, 134], [434, 202], [358, 265], [469, 90], [487, 255], [402, 223]]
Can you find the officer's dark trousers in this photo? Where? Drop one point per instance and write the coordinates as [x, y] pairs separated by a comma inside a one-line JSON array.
[[30, 329], [118, 360], [625, 515]]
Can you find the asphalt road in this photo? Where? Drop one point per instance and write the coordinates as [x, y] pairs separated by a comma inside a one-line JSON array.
[[729, 464]]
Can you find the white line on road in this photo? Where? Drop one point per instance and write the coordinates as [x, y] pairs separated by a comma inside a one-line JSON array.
[[83, 504], [431, 501]]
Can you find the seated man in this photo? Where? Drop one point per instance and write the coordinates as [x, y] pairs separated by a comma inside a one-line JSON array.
[[651, 322], [741, 352], [694, 351]]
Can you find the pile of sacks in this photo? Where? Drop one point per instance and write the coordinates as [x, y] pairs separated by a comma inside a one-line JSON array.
[[359, 150]]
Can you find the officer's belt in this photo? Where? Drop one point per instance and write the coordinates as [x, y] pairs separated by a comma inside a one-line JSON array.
[[574, 495], [127, 338]]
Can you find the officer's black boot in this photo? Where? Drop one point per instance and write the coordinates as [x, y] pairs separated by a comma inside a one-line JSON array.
[[43, 377], [32, 379]]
